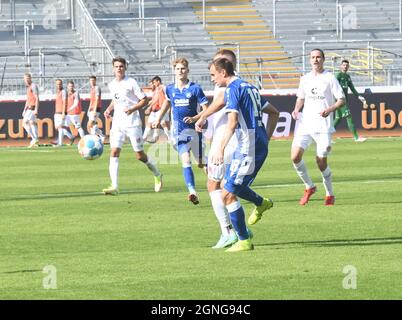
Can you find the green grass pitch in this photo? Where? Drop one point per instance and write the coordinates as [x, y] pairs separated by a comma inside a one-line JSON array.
[[142, 245]]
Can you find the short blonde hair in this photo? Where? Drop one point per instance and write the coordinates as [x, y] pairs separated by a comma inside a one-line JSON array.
[[181, 60]]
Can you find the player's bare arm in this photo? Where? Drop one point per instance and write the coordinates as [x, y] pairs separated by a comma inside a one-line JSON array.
[[36, 105], [139, 105], [63, 113], [197, 116], [108, 110], [215, 106], [230, 128], [339, 103], [273, 117], [299, 104]]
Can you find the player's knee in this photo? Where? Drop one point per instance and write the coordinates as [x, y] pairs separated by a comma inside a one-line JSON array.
[[115, 153], [296, 157], [141, 156], [228, 198], [213, 185], [321, 163]]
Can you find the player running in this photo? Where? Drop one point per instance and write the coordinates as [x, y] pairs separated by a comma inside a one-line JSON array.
[[344, 112], [30, 112], [184, 97], [127, 100]]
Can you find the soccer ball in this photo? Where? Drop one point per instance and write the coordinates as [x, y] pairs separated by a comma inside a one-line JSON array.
[[90, 147]]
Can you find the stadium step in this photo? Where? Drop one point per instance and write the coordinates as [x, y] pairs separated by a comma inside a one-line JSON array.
[[242, 24]]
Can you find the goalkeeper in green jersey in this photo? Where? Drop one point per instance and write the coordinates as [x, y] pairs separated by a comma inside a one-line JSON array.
[[344, 112]]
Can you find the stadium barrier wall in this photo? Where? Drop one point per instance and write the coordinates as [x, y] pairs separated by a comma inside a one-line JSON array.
[[382, 117]]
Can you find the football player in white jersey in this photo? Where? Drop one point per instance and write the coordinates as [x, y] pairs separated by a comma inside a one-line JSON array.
[[321, 94], [216, 173], [127, 99]]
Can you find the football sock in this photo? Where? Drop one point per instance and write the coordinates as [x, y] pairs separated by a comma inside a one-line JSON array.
[[352, 128], [34, 130], [60, 136], [146, 132], [27, 128], [220, 211], [301, 170], [81, 132], [68, 133], [155, 134], [327, 181], [114, 171], [152, 166], [188, 175], [238, 219], [166, 130], [248, 194], [94, 129]]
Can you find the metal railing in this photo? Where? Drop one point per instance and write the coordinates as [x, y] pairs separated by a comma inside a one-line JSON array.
[[173, 49], [28, 25], [141, 25], [338, 16], [361, 78], [97, 68], [370, 56], [91, 36]]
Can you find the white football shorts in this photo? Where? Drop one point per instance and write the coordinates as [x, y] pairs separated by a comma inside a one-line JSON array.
[[59, 121], [28, 115], [155, 114], [118, 137], [322, 141], [217, 172], [73, 120], [93, 116]]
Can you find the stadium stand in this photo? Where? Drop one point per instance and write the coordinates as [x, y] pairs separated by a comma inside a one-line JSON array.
[[262, 56], [181, 34], [365, 24], [268, 34], [50, 33]]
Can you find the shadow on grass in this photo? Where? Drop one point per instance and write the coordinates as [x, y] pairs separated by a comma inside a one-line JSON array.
[[20, 271], [336, 242], [46, 196]]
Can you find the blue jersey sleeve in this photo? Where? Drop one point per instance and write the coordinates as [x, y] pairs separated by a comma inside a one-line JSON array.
[[264, 102], [169, 92], [201, 98], [232, 99]]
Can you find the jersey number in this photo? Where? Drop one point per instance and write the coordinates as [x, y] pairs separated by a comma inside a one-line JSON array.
[[256, 99]]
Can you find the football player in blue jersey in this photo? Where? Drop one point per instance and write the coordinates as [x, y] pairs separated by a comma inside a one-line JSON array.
[[244, 109], [184, 98]]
